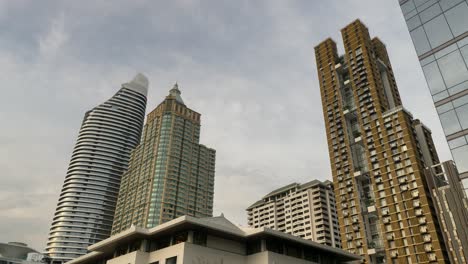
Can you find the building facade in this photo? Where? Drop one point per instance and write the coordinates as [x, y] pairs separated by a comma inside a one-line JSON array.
[[307, 211], [213, 240], [439, 30], [384, 209], [452, 208], [86, 205], [19, 253], [170, 173]]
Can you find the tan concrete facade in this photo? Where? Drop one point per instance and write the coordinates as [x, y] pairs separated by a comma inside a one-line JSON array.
[[189, 240], [385, 211], [452, 208], [305, 210], [170, 174]]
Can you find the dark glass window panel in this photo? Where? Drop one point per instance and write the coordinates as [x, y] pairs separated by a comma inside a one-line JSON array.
[[180, 237], [450, 122], [438, 31], [199, 238], [274, 245], [453, 69], [172, 260], [430, 13], [460, 155], [293, 250], [253, 247], [457, 19], [420, 40], [434, 78], [446, 4]]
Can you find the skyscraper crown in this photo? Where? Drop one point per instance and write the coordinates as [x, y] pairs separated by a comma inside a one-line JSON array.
[[138, 84]]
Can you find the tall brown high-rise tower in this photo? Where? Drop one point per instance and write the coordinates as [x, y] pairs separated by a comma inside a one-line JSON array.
[[378, 153], [170, 174]]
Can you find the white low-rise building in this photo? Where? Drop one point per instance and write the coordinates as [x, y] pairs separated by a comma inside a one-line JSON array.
[[214, 240], [304, 210]]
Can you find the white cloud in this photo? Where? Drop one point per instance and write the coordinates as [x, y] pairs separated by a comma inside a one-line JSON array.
[[54, 38]]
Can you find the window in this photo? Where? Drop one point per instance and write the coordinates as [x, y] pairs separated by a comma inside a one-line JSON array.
[[420, 41], [434, 78], [456, 18], [199, 238], [460, 155], [450, 122], [172, 260], [438, 31], [444, 108], [446, 4], [413, 22], [453, 69], [407, 7], [462, 113], [430, 13], [455, 143]]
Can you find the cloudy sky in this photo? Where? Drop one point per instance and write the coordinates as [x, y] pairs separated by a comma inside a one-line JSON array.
[[247, 66]]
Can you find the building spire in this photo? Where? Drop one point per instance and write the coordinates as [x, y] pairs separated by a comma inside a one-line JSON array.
[[175, 92]]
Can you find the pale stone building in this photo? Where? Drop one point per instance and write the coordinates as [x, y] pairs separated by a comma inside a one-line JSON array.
[[214, 240]]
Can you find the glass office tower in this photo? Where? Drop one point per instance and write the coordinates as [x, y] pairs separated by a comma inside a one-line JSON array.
[[439, 29], [170, 173]]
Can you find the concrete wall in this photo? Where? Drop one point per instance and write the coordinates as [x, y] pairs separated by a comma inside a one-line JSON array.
[[267, 257], [195, 254], [225, 245], [136, 257], [140, 257]]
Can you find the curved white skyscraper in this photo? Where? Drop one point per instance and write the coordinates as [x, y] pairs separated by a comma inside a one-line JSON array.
[[85, 209]]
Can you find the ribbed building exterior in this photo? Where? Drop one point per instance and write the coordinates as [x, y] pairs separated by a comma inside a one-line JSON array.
[[86, 206], [439, 30], [305, 210], [452, 208], [378, 154], [170, 173]]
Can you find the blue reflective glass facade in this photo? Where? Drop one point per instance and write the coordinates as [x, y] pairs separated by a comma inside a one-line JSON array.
[[439, 30]]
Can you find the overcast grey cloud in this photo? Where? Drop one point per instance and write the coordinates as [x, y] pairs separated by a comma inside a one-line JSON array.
[[247, 66]]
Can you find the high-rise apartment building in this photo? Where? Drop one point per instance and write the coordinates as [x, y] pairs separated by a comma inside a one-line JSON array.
[[86, 206], [385, 210], [452, 208], [170, 174], [439, 29], [304, 210]]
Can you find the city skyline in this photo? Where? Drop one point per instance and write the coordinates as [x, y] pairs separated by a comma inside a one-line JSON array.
[[238, 104]]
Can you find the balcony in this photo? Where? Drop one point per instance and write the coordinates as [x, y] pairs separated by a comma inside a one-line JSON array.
[[374, 246]]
